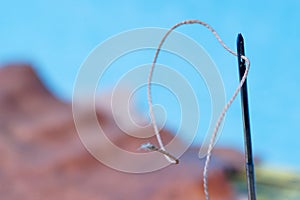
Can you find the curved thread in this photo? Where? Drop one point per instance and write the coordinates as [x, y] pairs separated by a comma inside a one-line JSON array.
[[222, 115]]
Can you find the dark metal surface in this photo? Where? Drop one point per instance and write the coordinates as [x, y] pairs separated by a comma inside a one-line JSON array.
[[246, 120]]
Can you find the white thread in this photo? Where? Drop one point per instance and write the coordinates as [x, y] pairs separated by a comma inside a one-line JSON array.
[[221, 117], [152, 147]]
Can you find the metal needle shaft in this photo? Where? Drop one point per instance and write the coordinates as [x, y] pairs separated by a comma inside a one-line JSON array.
[[246, 120]]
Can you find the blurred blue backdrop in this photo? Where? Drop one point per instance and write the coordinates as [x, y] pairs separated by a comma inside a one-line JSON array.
[[56, 36]]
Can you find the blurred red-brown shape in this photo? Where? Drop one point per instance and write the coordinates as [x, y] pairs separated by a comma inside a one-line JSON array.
[[42, 157]]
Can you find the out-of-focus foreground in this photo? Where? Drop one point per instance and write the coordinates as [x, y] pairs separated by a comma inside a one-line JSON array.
[[42, 156]]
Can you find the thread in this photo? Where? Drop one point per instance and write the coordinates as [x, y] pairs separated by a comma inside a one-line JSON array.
[[221, 116], [152, 147]]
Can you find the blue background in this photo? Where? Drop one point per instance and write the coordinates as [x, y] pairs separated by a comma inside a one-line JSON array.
[[56, 36]]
